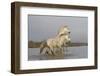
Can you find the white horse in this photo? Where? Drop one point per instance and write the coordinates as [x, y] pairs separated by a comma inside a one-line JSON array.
[[57, 42], [64, 30]]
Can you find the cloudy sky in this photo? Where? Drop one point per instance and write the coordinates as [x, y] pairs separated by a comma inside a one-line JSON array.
[[43, 27]]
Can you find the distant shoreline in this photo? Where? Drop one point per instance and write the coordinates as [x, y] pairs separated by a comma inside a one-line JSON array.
[[78, 44], [32, 44]]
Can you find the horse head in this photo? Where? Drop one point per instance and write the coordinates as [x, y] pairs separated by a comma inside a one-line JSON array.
[[64, 30]]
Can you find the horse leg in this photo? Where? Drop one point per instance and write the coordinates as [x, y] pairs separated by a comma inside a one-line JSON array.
[[52, 50], [42, 46], [62, 50], [48, 52]]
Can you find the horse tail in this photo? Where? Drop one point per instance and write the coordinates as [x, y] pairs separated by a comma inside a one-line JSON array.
[[42, 46]]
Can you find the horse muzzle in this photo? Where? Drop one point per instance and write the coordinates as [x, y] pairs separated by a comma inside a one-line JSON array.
[[68, 42]]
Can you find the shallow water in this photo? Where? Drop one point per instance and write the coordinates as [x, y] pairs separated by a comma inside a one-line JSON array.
[[70, 53]]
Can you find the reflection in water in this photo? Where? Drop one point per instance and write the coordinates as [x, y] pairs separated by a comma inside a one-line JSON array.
[[69, 53], [44, 57], [58, 54]]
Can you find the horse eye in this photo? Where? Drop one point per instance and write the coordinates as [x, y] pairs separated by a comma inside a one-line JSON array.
[[69, 32]]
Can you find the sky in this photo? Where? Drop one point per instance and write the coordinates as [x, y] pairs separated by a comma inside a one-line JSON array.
[[43, 27]]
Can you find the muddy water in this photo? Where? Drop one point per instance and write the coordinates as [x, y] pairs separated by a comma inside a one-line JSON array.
[[70, 53]]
